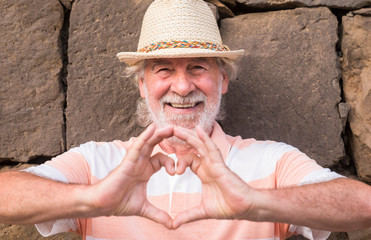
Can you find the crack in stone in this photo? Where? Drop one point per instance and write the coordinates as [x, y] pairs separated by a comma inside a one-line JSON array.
[[346, 165], [63, 40]]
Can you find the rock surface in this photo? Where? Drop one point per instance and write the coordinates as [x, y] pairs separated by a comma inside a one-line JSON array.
[[360, 235], [287, 89], [31, 95], [356, 48], [342, 4], [28, 232], [66, 3], [101, 101]]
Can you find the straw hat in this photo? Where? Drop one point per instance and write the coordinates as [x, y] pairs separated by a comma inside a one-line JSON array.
[[179, 28]]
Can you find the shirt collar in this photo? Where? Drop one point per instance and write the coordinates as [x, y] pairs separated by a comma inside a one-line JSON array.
[[221, 141]]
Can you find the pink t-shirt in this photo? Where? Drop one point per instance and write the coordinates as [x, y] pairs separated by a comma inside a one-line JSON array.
[[261, 164]]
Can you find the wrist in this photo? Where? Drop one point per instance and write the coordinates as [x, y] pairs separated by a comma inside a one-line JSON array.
[[84, 201], [259, 205]]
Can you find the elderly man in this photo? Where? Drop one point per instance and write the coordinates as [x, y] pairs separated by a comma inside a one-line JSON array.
[[183, 177]]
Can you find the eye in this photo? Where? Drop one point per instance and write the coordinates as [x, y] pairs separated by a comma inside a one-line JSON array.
[[163, 70], [197, 69]]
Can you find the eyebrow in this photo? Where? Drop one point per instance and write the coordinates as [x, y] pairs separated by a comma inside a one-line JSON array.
[[201, 60], [158, 62]]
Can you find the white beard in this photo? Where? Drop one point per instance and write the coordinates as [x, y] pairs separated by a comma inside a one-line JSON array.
[[205, 119]]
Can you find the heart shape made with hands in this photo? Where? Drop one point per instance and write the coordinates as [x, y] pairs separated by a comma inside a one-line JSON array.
[[124, 191], [187, 156], [203, 157], [196, 142]]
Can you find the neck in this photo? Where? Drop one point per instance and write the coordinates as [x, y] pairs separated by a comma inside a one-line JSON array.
[[178, 146], [175, 146]]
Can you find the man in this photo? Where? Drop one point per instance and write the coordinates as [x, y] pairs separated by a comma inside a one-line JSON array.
[[183, 177]]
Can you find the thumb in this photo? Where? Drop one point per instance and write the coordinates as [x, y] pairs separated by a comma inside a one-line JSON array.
[[189, 215], [157, 215]]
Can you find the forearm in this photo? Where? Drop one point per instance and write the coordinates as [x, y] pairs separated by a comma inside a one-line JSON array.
[[28, 199], [338, 205]]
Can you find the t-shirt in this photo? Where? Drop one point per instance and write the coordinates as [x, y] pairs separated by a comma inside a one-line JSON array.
[[261, 164]]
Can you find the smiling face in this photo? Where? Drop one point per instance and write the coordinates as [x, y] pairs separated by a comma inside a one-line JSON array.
[[183, 91]]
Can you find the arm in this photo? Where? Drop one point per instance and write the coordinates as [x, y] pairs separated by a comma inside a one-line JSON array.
[[340, 204], [26, 198]]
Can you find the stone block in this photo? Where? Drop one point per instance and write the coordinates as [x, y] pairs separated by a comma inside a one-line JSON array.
[[363, 12], [333, 236], [17, 232], [356, 48], [31, 102], [271, 4], [66, 3], [288, 86], [338, 236], [364, 234], [101, 101]]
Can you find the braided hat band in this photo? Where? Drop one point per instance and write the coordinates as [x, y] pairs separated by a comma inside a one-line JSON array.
[[179, 28], [183, 44]]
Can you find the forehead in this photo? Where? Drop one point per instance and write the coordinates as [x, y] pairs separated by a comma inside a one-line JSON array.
[[174, 61]]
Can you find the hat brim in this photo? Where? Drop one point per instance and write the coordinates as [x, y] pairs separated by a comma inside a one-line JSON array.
[[131, 58]]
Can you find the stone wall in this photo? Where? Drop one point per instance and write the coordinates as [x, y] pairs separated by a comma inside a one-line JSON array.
[[305, 79]]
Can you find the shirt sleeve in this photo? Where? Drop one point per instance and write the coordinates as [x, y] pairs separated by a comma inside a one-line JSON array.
[[295, 169], [69, 167], [86, 164], [311, 234], [58, 226]]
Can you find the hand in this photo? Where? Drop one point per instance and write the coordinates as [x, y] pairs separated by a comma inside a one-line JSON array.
[[124, 191], [224, 194]]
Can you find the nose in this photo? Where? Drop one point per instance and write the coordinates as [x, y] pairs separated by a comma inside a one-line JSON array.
[[182, 84]]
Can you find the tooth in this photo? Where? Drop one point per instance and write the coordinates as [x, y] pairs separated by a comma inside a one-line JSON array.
[[189, 105]]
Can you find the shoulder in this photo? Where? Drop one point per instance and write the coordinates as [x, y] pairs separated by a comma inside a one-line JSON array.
[[262, 148], [93, 147], [102, 157], [252, 159]]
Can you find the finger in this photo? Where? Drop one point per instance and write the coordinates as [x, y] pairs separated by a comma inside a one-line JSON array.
[[145, 143], [203, 135], [190, 215], [135, 150], [160, 134], [159, 159], [142, 139], [151, 212], [191, 138], [212, 148], [190, 160]]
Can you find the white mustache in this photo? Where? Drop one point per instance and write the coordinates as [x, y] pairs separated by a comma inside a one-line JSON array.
[[193, 97]]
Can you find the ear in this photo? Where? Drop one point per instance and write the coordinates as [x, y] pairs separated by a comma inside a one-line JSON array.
[[225, 82], [141, 88]]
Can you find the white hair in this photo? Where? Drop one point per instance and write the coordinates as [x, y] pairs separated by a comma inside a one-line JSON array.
[[136, 71]]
